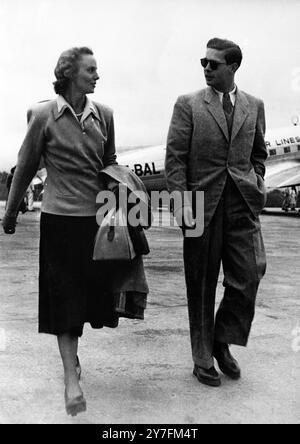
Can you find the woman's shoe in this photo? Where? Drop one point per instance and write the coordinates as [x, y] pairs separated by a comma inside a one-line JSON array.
[[75, 405], [78, 368]]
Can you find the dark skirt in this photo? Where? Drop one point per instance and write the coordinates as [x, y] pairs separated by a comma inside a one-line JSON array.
[[73, 289]]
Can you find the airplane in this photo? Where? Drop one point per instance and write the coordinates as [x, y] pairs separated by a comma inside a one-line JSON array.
[[282, 164]]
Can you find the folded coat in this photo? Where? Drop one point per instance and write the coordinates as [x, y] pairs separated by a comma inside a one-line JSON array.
[[129, 286]]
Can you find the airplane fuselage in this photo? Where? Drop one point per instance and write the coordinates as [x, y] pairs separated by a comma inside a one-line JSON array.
[[283, 162]]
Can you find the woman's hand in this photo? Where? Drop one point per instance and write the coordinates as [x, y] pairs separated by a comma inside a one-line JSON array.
[[9, 224]]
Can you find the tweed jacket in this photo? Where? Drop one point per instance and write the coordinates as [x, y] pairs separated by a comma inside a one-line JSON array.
[[200, 152]]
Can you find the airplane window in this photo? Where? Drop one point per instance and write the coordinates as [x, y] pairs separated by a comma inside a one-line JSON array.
[[272, 152], [298, 146], [287, 149]]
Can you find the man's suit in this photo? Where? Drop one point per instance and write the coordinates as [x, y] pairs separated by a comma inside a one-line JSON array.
[[202, 154]]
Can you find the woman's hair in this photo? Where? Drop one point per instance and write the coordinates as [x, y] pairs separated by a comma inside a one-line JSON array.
[[233, 53], [67, 66]]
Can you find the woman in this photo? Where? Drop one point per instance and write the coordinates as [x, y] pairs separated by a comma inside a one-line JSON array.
[[75, 136]]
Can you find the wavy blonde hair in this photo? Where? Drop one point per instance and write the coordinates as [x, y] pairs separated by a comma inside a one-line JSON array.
[[66, 67]]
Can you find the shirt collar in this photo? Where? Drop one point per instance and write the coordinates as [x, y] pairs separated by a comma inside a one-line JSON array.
[[232, 95], [89, 108]]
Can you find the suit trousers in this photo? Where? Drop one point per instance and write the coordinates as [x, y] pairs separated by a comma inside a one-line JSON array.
[[233, 238]]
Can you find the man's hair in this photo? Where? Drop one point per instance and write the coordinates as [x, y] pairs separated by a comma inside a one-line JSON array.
[[67, 66], [233, 53]]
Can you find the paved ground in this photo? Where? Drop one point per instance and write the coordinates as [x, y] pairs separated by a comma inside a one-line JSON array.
[[141, 372]]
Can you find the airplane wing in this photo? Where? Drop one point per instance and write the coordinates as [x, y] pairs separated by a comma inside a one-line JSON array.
[[283, 174]]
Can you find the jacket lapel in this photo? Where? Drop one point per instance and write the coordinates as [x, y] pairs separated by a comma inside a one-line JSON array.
[[241, 111], [214, 106]]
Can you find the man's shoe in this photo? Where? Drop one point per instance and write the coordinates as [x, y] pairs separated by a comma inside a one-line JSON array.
[[207, 376], [227, 364]]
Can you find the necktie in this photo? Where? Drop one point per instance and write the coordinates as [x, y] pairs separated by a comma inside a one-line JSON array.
[[228, 110]]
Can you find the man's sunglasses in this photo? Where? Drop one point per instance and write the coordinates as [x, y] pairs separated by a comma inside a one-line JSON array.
[[213, 63]]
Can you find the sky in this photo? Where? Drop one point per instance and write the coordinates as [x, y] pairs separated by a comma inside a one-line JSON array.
[[148, 53]]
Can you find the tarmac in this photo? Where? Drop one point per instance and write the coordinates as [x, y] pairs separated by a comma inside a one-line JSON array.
[[141, 372]]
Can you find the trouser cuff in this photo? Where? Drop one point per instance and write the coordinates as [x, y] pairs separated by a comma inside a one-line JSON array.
[[205, 363]]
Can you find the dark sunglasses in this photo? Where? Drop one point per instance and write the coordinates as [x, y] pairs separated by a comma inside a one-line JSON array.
[[213, 63]]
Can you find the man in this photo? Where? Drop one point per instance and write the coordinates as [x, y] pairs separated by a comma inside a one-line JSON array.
[[216, 144]]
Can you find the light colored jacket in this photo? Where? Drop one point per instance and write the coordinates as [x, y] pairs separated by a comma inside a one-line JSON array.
[[73, 155], [200, 153]]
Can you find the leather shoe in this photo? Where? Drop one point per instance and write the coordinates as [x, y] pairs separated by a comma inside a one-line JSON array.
[[227, 364], [207, 376]]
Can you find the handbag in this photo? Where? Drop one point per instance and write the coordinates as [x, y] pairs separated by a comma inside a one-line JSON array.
[[112, 241]]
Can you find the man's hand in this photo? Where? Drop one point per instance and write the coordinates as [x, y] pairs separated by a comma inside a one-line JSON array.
[[184, 217], [9, 224]]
